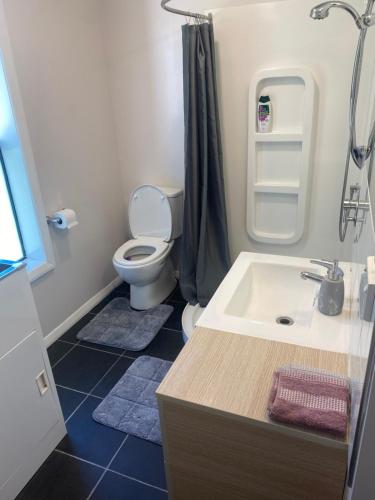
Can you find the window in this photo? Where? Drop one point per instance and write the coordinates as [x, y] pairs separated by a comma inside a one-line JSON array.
[[24, 234], [11, 246]]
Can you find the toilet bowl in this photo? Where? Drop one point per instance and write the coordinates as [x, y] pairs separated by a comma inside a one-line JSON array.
[[146, 266], [155, 217]]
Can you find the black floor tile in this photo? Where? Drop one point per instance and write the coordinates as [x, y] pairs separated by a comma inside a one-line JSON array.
[[61, 478], [174, 320], [176, 296], [69, 400], [141, 460], [166, 345], [82, 368], [57, 350], [88, 440], [115, 487], [102, 304], [71, 334], [123, 289], [112, 377], [101, 347]]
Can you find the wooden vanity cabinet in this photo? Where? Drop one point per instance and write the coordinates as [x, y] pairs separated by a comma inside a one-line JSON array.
[[218, 441]]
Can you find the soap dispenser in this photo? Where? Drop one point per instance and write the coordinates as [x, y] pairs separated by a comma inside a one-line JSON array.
[[332, 289]]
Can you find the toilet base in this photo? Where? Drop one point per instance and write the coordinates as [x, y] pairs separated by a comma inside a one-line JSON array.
[[151, 295]]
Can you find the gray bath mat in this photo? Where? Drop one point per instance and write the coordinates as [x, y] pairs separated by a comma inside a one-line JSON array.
[[118, 325], [131, 405]]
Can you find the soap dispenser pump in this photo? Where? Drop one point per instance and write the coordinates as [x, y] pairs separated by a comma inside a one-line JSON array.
[[332, 289]]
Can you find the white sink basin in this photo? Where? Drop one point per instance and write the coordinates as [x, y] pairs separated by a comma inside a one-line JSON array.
[[268, 291], [264, 296]]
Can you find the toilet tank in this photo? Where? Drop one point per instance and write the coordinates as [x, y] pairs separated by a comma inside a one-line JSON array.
[[176, 202]]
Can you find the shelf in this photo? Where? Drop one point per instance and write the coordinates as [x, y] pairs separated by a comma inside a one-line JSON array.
[[278, 137], [279, 162]]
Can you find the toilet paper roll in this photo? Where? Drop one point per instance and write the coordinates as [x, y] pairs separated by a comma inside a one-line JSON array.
[[66, 219]]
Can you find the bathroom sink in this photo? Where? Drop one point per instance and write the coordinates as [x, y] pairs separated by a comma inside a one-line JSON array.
[[269, 292], [264, 296]]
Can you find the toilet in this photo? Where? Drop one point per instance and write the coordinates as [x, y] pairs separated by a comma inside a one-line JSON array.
[[155, 219]]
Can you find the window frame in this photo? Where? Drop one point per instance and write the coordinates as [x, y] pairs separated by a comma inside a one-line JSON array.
[[11, 200], [40, 257]]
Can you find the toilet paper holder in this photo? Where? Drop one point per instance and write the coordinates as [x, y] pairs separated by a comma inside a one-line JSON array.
[[53, 220], [64, 219]]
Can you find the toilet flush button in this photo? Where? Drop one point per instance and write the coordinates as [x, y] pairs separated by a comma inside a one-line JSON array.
[[162, 198]]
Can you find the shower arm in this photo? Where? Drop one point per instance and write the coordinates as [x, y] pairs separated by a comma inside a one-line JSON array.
[[362, 21], [321, 11], [352, 11]]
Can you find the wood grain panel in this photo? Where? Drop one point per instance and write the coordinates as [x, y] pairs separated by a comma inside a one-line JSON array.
[[233, 373], [214, 457]]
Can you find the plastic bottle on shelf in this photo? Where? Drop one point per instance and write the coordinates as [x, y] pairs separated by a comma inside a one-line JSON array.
[[264, 114]]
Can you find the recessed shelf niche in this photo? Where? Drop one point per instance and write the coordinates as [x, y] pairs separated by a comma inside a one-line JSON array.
[[285, 205], [279, 161]]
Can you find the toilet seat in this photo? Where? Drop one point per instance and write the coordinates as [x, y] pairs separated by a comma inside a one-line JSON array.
[[154, 248]]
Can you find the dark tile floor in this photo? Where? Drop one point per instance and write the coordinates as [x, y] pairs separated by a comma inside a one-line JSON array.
[[94, 461]]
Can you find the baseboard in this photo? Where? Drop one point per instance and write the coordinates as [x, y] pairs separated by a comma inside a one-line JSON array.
[[80, 312]]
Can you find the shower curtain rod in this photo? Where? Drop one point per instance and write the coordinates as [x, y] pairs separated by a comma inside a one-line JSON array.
[[184, 12]]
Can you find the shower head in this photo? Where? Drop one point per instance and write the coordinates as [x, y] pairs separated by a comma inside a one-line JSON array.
[[321, 11]]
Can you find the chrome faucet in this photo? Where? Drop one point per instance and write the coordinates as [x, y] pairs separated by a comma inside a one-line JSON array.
[[334, 271], [331, 293]]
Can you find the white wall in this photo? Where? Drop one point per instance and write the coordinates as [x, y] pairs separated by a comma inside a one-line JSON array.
[[62, 72], [144, 48], [145, 61]]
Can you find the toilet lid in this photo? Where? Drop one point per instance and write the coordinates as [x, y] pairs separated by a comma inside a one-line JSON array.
[[150, 213]]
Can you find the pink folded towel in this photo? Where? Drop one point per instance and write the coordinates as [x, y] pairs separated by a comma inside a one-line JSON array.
[[310, 399]]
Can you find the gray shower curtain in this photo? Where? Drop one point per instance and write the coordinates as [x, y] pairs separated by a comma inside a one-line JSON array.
[[205, 250]]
